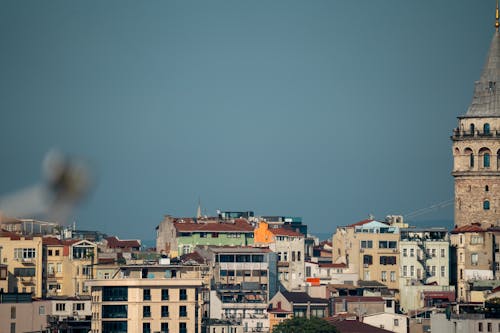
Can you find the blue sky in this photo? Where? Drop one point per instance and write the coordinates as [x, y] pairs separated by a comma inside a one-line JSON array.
[[329, 110]]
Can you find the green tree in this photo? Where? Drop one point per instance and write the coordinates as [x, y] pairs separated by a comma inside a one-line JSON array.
[[303, 325]]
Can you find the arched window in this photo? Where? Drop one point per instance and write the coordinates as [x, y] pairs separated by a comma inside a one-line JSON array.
[[485, 157], [472, 129], [486, 129], [468, 152], [486, 160], [486, 205]]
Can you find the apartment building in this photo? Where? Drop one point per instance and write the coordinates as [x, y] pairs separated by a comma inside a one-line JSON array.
[[69, 263], [178, 236], [475, 257], [290, 247], [22, 257], [244, 280], [149, 298], [19, 313], [370, 249]]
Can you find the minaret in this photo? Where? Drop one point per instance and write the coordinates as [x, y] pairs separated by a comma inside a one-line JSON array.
[[198, 210], [476, 147]]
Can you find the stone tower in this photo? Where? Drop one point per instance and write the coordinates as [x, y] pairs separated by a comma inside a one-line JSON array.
[[476, 149]]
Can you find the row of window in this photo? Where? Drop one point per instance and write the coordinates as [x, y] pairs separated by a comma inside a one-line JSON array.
[[283, 256], [246, 272], [383, 276], [121, 327], [146, 311], [432, 271], [384, 260], [430, 252], [146, 295], [24, 253], [239, 258], [368, 244]]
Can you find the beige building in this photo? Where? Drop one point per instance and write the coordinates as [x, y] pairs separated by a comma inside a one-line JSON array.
[[149, 298], [474, 256], [290, 247], [370, 249], [24, 315], [69, 263], [23, 257]]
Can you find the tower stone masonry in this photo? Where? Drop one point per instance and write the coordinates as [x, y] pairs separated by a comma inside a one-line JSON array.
[[476, 149]]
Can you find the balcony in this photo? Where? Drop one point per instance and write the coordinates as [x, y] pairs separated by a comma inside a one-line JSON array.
[[464, 135]]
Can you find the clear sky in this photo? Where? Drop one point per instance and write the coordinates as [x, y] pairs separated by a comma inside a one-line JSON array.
[[329, 110]]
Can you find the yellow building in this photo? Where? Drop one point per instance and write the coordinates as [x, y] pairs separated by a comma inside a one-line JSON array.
[[23, 258], [148, 298], [370, 249], [69, 263]]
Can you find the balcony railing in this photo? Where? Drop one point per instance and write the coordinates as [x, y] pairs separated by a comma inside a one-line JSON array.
[[458, 134]]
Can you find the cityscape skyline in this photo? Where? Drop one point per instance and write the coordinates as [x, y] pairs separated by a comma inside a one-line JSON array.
[[328, 111]]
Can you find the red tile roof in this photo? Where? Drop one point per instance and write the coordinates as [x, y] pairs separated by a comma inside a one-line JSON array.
[[53, 241], [474, 227], [115, 242], [361, 223], [285, 232], [238, 225], [11, 235]]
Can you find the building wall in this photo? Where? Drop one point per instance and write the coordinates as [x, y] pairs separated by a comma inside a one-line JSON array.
[[166, 241], [135, 303], [186, 244], [23, 284], [388, 321], [291, 270], [26, 317], [411, 296], [468, 245]]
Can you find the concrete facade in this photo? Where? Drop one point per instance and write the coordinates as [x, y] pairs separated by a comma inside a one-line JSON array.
[[24, 317]]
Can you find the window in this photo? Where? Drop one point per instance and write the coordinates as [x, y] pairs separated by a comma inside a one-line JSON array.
[[488, 327], [285, 256], [443, 271], [164, 294], [24, 253], [433, 271], [215, 235], [183, 293], [57, 253], [486, 188], [114, 326], [474, 258], [443, 252], [298, 256], [164, 311], [476, 239], [486, 205], [367, 244], [164, 328], [182, 328], [433, 253], [114, 294], [293, 255], [387, 260], [472, 129], [388, 303], [384, 276], [186, 249], [412, 270], [60, 306], [367, 259], [412, 252], [59, 267], [396, 322], [405, 270], [12, 327], [486, 129], [146, 296], [405, 252], [146, 328], [182, 311], [146, 311], [471, 160], [114, 311], [49, 253], [486, 160], [78, 306], [41, 310], [480, 327], [393, 276], [12, 312]]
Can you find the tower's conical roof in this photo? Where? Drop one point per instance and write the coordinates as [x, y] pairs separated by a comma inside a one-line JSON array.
[[486, 100]]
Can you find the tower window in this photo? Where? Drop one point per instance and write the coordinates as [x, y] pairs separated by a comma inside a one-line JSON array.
[[486, 205], [471, 160], [472, 129], [486, 160], [486, 129], [486, 188]]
